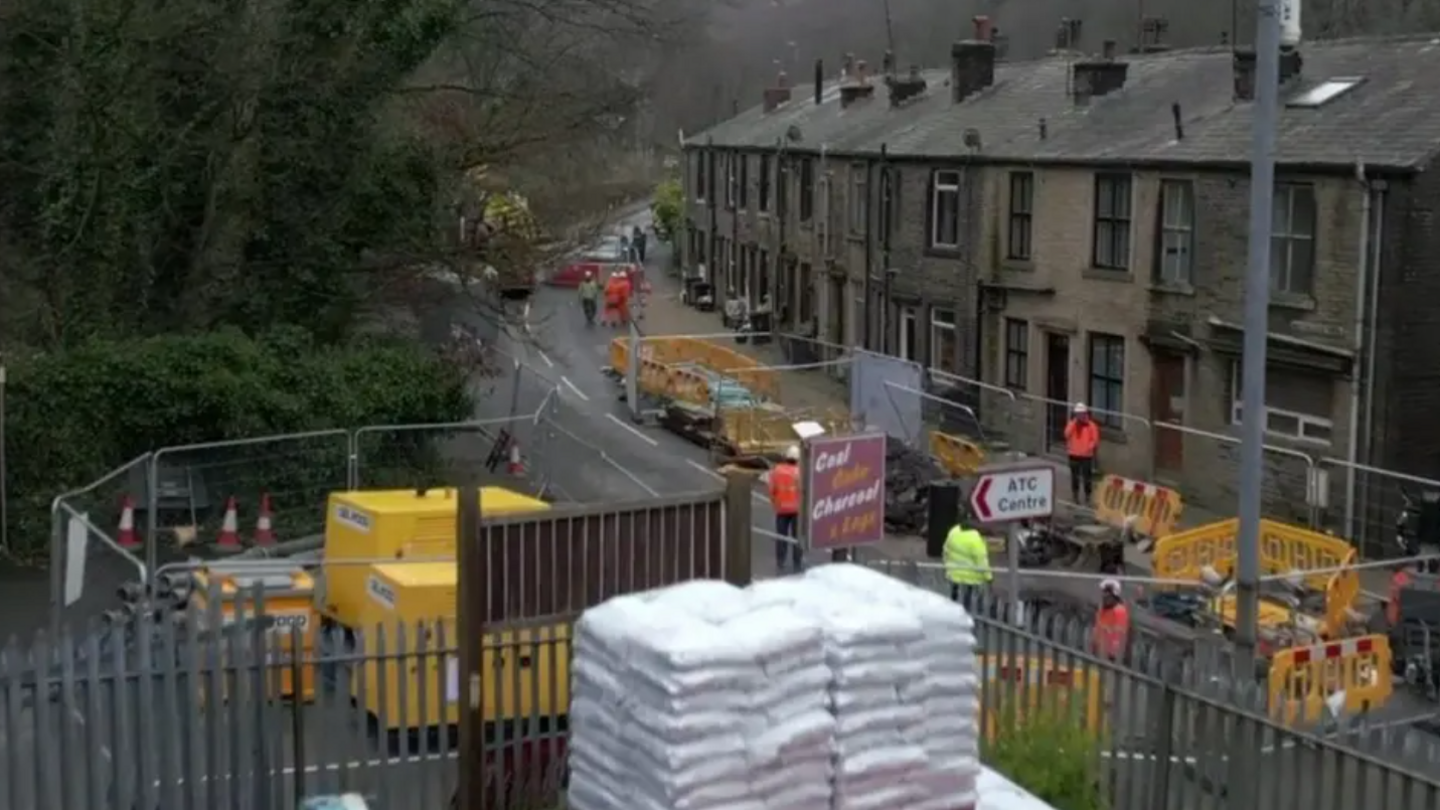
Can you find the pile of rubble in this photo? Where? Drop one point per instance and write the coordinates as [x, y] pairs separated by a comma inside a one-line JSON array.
[[908, 475]]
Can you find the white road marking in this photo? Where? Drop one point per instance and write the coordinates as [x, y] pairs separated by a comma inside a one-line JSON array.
[[702, 468], [574, 388], [649, 440], [545, 357]]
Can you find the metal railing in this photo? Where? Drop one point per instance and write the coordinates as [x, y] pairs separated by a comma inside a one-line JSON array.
[[187, 711], [1305, 486]]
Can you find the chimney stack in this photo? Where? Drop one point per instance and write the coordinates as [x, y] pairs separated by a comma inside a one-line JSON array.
[[819, 81], [858, 86], [1092, 78], [908, 87], [779, 94], [972, 62], [1244, 70], [1153, 31]]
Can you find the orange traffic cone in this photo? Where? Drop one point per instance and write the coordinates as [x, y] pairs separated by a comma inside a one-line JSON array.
[[127, 538], [230, 529], [264, 531], [516, 466]]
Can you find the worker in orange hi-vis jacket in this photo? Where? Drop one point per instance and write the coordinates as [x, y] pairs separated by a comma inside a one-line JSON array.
[[617, 299]]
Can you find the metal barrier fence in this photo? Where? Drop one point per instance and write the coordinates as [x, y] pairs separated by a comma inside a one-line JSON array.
[[190, 712], [1314, 488]]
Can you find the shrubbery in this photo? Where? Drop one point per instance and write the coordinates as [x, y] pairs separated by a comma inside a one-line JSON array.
[[75, 415], [1051, 753], [668, 207]]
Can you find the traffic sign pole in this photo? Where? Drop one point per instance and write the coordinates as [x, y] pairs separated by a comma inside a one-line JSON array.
[[1010, 493]]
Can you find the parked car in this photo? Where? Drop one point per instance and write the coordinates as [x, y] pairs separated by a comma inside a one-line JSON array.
[[597, 259]]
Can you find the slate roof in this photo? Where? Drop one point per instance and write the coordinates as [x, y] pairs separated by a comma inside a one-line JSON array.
[[1390, 120]]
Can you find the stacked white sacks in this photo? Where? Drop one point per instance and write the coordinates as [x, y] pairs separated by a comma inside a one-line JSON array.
[[947, 694], [879, 756], [690, 698]]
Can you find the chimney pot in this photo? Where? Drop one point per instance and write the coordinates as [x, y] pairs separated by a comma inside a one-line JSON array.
[[819, 81], [862, 71], [1108, 49], [782, 81], [982, 27], [1243, 63], [888, 64]]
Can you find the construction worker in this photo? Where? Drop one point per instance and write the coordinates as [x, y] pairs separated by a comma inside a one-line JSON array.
[[967, 562], [589, 296], [617, 298], [1112, 622], [1399, 581], [783, 481], [637, 244], [1082, 439]]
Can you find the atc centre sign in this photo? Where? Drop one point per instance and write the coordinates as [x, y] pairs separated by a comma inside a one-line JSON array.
[[1014, 494]]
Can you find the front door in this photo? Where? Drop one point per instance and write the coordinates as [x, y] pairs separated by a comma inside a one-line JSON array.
[[1057, 386], [1167, 404], [909, 337]]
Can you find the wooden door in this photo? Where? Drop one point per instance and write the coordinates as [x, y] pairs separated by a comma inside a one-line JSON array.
[[1167, 404]]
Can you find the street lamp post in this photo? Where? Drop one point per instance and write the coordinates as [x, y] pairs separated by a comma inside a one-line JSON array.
[[1257, 311], [4, 477]]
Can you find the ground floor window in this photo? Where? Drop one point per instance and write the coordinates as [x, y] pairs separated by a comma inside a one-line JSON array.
[[1298, 404], [944, 341]]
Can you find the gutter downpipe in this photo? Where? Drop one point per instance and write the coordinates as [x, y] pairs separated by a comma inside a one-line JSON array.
[[820, 221], [1362, 286]]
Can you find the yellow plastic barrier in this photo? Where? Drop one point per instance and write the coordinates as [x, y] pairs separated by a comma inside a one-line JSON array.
[[659, 379], [761, 380], [1157, 509], [957, 456], [1302, 679], [1015, 687], [1284, 549], [768, 431]]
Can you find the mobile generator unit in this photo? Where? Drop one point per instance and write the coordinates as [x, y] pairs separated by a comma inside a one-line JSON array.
[[370, 588]]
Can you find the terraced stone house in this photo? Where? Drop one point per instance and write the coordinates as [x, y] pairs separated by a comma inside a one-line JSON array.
[[1076, 228]]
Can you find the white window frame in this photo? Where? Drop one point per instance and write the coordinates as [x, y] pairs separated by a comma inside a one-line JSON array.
[[1175, 259], [1284, 237], [859, 197], [945, 182], [942, 321], [1303, 421], [732, 187], [908, 317], [1114, 228]]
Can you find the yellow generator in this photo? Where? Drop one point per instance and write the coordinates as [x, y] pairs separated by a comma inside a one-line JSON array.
[[362, 528], [389, 561], [530, 665], [288, 602]]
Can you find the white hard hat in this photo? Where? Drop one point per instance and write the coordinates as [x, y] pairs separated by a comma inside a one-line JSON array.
[[792, 453], [589, 273], [1110, 586], [1080, 408]]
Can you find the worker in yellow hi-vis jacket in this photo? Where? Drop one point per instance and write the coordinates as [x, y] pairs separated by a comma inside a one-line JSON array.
[[967, 562]]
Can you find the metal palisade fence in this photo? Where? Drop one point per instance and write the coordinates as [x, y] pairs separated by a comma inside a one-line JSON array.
[[186, 711]]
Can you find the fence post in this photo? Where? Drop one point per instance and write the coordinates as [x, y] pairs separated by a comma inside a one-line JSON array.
[[739, 513], [1165, 745]]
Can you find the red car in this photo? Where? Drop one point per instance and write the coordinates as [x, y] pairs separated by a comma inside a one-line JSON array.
[[597, 260]]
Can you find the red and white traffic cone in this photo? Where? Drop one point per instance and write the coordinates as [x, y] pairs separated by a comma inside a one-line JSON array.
[[264, 531], [127, 537], [230, 528], [516, 465]]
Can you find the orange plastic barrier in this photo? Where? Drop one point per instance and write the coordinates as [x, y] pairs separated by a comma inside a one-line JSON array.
[[1302, 679], [1156, 509]]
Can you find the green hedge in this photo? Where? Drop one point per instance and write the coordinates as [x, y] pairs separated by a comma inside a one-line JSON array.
[[74, 416]]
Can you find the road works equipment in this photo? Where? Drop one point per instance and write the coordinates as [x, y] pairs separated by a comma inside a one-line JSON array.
[[718, 398]]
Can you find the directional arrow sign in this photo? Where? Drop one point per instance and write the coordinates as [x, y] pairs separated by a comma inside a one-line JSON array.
[[1014, 495]]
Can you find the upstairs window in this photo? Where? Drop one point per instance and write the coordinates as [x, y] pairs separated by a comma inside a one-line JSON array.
[[1174, 257], [945, 209], [1112, 222]]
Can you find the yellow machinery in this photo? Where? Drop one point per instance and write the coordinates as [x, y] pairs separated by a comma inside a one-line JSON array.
[[288, 601], [1020, 686], [375, 525], [530, 664], [373, 528], [1318, 600]]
